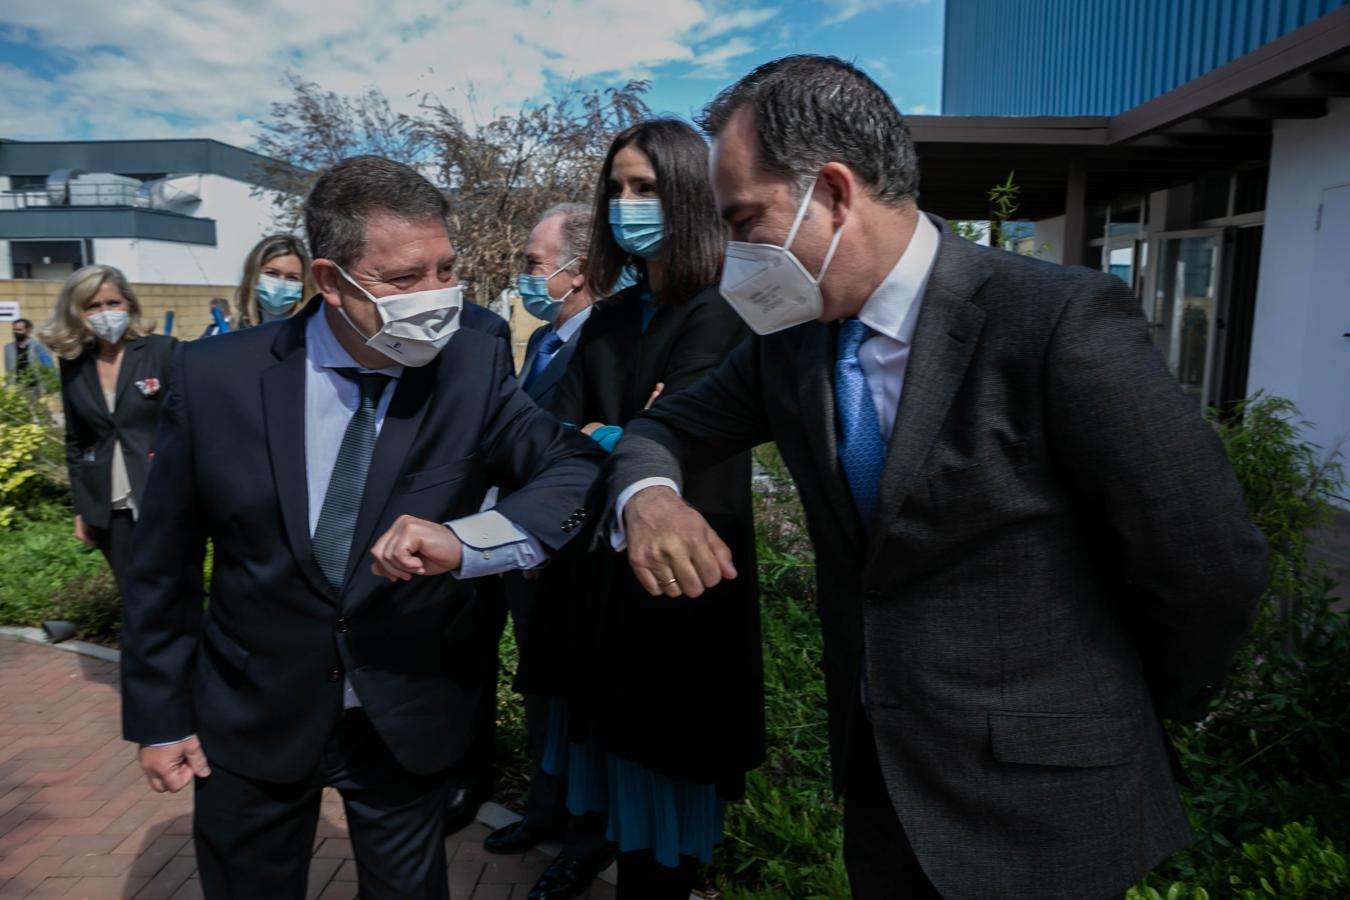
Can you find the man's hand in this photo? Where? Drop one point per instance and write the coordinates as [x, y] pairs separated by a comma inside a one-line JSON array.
[[671, 548], [82, 532], [172, 768], [415, 547]]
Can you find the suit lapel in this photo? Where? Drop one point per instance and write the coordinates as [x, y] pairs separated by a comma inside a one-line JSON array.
[[401, 422], [815, 392], [283, 401], [131, 360], [944, 341], [88, 378]]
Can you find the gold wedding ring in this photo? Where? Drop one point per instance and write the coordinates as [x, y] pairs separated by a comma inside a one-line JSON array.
[[664, 583]]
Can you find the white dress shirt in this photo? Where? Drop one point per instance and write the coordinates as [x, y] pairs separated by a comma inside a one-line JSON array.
[[891, 312]]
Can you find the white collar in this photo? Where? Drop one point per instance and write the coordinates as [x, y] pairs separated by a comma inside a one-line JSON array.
[[573, 325], [324, 350], [893, 308]]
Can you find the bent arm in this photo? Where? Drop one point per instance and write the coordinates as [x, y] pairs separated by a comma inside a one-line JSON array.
[[1138, 451]]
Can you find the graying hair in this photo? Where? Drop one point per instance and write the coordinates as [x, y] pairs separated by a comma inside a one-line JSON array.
[[351, 192], [576, 230]]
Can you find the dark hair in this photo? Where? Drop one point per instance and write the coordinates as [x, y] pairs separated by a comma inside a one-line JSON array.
[[263, 252], [811, 110], [25, 323], [354, 190], [694, 236]]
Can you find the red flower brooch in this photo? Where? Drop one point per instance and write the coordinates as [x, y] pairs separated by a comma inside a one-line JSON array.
[[148, 387]]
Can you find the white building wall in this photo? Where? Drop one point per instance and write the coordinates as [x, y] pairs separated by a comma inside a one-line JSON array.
[[1298, 350], [1049, 236], [241, 221]]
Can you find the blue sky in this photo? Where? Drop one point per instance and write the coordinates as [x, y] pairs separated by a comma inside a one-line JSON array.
[[88, 69]]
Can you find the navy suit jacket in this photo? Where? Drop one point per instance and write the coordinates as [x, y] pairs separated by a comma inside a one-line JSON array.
[[259, 675], [480, 318]]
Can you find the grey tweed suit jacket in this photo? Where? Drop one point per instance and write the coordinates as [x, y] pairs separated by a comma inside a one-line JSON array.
[[1060, 556]]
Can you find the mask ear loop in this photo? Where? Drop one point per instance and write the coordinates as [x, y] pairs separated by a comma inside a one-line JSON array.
[[570, 291], [801, 212]]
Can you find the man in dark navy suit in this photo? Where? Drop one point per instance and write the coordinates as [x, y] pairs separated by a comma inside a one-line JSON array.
[[320, 456]]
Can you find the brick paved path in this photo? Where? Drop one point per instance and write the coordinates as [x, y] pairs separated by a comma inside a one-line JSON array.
[[78, 821]]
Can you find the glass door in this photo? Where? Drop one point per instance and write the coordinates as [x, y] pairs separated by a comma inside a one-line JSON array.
[[1186, 307]]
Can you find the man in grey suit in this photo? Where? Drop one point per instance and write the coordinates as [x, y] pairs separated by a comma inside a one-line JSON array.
[[1029, 545]]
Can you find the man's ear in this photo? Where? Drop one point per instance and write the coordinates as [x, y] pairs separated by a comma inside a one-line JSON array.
[[579, 278], [327, 280], [842, 185]]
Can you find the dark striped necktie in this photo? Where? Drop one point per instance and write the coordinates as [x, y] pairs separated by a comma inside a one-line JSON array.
[[342, 501]]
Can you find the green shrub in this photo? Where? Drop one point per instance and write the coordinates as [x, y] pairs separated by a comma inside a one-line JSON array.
[[1293, 863], [91, 602], [41, 556]]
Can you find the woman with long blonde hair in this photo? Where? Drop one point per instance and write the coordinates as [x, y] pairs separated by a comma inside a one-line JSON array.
[[275, 280], [114, 375]]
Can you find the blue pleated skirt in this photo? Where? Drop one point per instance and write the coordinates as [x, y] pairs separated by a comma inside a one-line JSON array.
[[646, 811]]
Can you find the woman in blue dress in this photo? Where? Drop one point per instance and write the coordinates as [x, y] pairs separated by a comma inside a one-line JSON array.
[[665, 710]]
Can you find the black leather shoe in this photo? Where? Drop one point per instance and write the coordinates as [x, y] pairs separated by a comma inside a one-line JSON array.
[[461, 806], [517, 838], [564, 878]]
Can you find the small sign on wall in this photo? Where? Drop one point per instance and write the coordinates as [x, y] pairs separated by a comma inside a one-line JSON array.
[[9, 310]]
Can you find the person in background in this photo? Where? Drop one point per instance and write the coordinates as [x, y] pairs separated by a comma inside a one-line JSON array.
[[114, 376], [649, 681], [25, 356], [219, 309], [553, 289], [275, 279]]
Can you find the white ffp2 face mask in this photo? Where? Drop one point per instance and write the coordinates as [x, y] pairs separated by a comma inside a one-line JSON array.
[[768, 286], [110, 324], [414, 327]]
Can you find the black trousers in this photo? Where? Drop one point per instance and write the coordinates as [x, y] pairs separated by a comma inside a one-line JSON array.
[[115, 541], [880, 861], [546, 799], [254, 839]]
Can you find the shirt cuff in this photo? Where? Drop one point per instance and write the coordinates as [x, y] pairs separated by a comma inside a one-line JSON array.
[[493, 544], [618, 537], [171, 743]]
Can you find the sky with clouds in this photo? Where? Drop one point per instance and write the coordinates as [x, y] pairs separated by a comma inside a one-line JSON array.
[[92, 69]]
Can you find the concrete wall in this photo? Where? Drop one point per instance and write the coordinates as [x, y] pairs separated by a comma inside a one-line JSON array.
[[1297, 346], [189, 302]]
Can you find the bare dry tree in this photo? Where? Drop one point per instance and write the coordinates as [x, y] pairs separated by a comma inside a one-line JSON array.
[[500, 175]]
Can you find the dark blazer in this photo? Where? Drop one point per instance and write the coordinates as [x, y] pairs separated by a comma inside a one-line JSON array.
[[634, 686], [91, 430], [543, 388], [259, 677], [1061, 552], [480, 318]]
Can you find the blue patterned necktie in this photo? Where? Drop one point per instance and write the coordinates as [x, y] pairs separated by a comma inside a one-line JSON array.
[[549, 345], [862, 451], [342, 502]]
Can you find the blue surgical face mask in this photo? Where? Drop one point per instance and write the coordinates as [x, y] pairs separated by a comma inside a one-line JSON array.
[[277, 295], [535, 297], [637, 226]]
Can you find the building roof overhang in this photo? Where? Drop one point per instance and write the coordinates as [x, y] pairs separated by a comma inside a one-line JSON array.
[[1218, 121]]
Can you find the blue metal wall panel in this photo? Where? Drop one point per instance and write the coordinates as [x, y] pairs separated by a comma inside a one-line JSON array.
[[1098, 57]]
